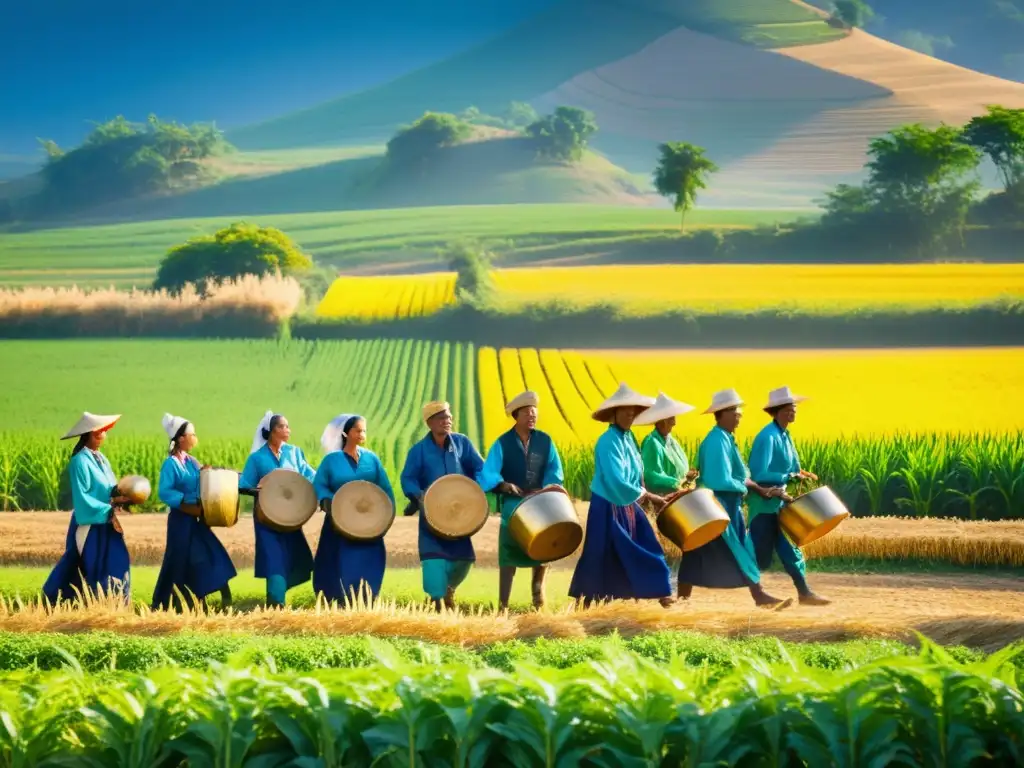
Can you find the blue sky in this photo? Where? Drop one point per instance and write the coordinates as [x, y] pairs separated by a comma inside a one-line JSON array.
[[64, 63]]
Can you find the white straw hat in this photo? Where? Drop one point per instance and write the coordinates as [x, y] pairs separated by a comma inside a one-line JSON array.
[[623, 397], [664, 408], [783, 396], [727, 398], [90, 422], [522, 400], [172, 424]]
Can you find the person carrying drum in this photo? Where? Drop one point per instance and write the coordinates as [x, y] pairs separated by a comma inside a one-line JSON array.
[[773, 464], [728, 561], [523, 459], [666, 467], [95, 556], [282, 558], [445, 563], [344, 567], [621, 557], [194, 561]]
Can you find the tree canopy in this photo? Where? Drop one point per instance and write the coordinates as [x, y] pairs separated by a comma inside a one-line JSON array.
[[852, 13], [1000, 134], [563, 135], [240, 249], [120, 159], [420, 141], [682, 170]]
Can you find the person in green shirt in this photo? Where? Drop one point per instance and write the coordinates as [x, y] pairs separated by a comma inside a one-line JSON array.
[[666, 468]]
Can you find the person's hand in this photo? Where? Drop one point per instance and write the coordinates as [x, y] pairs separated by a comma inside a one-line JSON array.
[[692, 475], [511, 489], [655, 499], [805, 475], [120, 501], [786, 497]]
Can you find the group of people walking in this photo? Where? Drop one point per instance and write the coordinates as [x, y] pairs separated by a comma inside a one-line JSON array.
[[621, 556]]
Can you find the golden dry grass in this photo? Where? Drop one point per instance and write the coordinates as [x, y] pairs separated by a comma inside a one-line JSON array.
[[37, 538], [970, 610]]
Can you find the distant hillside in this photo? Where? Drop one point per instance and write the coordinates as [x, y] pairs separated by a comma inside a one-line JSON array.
[[483, 171]]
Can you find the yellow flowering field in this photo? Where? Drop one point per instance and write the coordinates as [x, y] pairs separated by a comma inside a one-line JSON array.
[[653, 289], [854, 392]]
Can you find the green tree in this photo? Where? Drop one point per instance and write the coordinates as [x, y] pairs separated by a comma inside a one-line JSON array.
[[682, 171], [563, 135], [1000, 134], [472, 264], [519, 115], [241, 249], [420, 141], [852, 13]]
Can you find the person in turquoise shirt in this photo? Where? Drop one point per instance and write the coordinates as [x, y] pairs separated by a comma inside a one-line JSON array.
[[621, 557], [282, 558], [445, 562], [522, 460], [95, 556], [774, 463], [195, 562], [344, 568], [666, 467], [727, 562]]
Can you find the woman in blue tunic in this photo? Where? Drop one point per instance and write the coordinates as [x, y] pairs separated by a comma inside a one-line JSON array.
[[195, 562], [621, 557], [726, 562], [283, 559], [95, 556], [773, 464], [344, 569]]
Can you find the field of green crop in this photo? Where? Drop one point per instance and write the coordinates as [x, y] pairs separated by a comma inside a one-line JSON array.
[[128, 254]]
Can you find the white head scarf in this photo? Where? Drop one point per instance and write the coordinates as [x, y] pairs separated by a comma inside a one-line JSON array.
[[258, 440], [172, 424], [330, 440]]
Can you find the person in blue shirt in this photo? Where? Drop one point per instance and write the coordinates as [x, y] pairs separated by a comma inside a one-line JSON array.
[[621, 557], [727, 562], [774, 464], [344, 569], [195, 561], [522, 460], [95, 556], [445, 563], [282, 558]]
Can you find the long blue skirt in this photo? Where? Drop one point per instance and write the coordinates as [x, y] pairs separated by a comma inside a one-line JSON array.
[[282, 554], [726, 562], [103, 564], [194, 560], [621, 556], [341, 565]]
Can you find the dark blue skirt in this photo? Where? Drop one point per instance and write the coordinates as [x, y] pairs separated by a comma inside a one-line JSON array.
[[341, 564], [715, 565], [621, 556], [194, 560], [282, 554], [103, 564]]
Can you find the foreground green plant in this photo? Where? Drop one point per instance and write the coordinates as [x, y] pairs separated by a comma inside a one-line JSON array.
[[622, 711]]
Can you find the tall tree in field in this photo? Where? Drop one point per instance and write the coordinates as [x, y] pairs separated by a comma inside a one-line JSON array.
[[922, 178], [682, 170], [852, 13], [1000, 134]]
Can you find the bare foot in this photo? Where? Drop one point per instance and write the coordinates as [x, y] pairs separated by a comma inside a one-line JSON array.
[[812, 599], [667, 602]]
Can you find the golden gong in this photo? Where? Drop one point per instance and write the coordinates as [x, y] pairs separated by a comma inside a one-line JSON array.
[[361, 511], [691, 521], [455, 507], [546, 526], [812, 515], [218, 497], [135, 488]]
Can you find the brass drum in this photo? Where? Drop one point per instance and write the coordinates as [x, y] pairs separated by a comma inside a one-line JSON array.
[[218, 496], [136, 488], [546, 526], [455, 507], [691, 521], [811, 515], [361, 511], [286, 500]]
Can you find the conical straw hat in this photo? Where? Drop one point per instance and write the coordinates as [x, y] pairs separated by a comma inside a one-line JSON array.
[[726, 398], [664, 408], [90, 422], [624, 396], [361, 510]]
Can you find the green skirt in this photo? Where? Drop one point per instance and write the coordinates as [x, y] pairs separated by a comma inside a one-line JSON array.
[[510, 554]]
